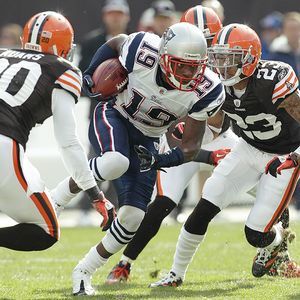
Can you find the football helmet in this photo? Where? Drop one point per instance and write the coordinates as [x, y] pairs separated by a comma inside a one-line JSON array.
[[235, 53], [49, 32], [182, 56], [204, 18]]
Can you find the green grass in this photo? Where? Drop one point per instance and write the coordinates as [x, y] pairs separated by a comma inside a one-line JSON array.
[[220, 269]]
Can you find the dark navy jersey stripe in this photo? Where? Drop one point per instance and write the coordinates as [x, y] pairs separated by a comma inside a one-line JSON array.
[[206, 100], [132, 49]]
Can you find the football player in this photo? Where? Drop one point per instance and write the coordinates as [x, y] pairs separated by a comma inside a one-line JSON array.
[[167, 81], [262, 98], [170, 185], [37, 82]]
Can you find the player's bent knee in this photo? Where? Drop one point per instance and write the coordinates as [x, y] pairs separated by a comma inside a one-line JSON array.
[[258, 239], [123, 228], [130, 217], [111, 165]]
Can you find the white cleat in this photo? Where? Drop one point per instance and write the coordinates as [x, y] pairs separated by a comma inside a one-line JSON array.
[[82, 283], [169, 280]]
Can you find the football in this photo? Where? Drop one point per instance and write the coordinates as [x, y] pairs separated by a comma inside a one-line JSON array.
[[110, 78]]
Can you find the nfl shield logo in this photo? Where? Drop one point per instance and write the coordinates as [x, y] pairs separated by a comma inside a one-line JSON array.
[[237, 102]]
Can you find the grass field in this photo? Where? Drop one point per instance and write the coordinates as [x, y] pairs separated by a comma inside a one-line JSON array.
[[220, 270]]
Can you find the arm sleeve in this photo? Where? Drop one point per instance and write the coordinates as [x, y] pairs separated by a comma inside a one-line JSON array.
[[72, 152]]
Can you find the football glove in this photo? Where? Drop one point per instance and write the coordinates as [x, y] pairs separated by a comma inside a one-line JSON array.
[[87, 84], [146, 157], [107, 210], [275, 165], [178, 131], [217, 155]]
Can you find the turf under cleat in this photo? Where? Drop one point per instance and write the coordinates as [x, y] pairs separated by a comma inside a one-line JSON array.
[[119, 273], [169, 280], [82, 283], [265, 258]]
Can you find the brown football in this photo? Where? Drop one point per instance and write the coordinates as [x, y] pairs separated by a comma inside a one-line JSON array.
[[110, 78]]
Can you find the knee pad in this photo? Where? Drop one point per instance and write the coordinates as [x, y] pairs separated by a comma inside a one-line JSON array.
[[259, 239], [123, 228], [109, 166], [130, 217], [199, 219]]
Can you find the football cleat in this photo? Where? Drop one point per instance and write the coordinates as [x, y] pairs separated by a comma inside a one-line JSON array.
[[119, 273], [169, 280], [281, 258], [82, 283], [265, 257]]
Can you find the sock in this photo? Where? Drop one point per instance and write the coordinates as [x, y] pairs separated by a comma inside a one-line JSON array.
[[92, 261], [61, 194], [126, 259], [186, 247]]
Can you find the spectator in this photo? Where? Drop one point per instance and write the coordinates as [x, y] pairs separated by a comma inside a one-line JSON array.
[[10, 36], [271, 26], [164, 15], [146, 20], [115, 15], [286, 47]]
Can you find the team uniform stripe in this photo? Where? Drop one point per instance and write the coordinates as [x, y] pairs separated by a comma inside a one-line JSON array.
[[195, 15], [17, 166], [117, 231], [47, 212], [204, 19], [132, 50], [285, 199], [69, 86], [283, 89], [224, 36], [41, 29], [281, 83], [286, 92], [36, 28], [109, 127], [45, 207], [97, 133], [126, 232], [71, 82], [31, 29], [159, 185]]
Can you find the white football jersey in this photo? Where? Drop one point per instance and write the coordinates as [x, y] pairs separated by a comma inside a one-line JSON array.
[[152, 108]]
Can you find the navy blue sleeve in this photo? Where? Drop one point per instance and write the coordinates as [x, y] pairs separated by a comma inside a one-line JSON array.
[[207, 99], [132, 49], [103, 53]]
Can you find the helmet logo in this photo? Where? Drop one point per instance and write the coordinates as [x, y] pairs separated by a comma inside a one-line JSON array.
[[169, 34]]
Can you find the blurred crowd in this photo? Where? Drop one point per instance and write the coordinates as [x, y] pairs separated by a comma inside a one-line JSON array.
[[279, 33]]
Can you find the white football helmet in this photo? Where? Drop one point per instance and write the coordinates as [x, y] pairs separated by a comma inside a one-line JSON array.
[[183, 56]]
